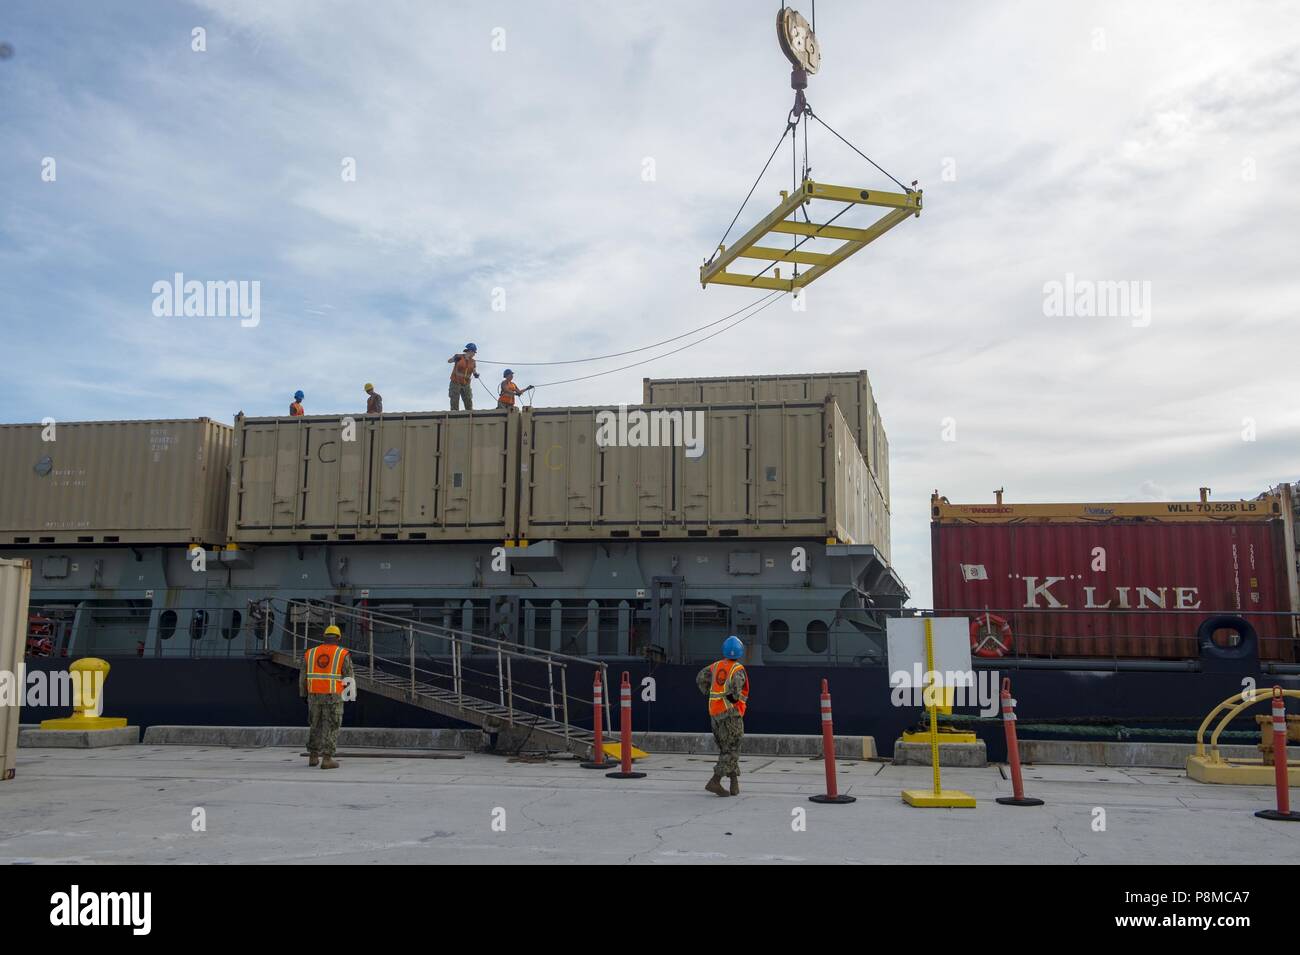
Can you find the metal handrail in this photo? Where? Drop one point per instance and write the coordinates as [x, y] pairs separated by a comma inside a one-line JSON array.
[[437, 630], [507, 687]]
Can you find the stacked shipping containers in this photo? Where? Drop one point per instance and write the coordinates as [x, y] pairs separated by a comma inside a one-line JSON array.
[[425, 476], [850, 389], [778, 470]]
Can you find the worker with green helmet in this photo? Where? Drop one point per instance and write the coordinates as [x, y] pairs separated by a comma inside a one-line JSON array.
[[326, 675], [726, 684]]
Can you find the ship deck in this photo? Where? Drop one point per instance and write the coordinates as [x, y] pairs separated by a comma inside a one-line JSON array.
[[135, 804]]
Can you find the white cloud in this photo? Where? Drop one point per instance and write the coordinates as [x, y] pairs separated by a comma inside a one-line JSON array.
[[522, 170]]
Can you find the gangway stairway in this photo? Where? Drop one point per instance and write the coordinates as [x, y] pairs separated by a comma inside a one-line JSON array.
[[498, 703]]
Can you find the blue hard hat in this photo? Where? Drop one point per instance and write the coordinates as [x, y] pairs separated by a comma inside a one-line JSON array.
[[507, 373], [298, 396], [471, 347], [732, 648]]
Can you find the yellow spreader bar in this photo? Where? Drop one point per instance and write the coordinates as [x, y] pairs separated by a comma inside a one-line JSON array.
[[901, 205]]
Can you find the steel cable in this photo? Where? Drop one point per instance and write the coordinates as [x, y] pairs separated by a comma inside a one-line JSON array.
[[770, 301], [630, 351]]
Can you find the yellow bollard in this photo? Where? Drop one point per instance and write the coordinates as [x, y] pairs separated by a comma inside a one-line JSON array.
[[89, 674]]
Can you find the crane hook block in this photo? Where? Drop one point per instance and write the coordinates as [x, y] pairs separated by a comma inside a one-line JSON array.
[[783, 219]]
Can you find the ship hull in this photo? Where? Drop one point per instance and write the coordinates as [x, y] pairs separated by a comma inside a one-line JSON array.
[[256, 692]]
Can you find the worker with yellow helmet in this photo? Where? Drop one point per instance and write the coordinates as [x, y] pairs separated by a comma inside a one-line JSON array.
[[326, 673], [375, 403]]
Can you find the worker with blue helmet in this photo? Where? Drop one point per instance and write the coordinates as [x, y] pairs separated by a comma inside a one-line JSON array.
[[726, 684], [463, 373], [509, 390], [295, 408]]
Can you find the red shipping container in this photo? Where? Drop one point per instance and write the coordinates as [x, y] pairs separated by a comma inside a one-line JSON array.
[[1136, 589]]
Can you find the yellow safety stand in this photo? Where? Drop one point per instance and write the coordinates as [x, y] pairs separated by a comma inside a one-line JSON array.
[[937, 797], [88, 677], [616, 751], [1213, 767], [782, 219]]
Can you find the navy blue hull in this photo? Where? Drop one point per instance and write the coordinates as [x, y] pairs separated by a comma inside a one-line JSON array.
[[257, 692]]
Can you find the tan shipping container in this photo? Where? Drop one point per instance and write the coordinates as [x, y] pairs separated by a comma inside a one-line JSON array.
[[426, 476], [776, 470], [850, 389], [110, 482], [15, 588]]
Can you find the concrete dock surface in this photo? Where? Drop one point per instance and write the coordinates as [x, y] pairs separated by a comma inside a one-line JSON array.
[[186, 804]]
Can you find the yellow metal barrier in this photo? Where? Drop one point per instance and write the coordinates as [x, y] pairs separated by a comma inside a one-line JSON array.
[[1214, 767]]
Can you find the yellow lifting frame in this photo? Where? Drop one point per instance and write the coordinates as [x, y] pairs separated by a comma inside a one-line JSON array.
[[900, 205]]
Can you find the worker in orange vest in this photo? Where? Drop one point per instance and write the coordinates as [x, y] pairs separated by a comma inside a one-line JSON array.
[[326, 674], [295, 407], [462, 375], [510, 391], [726, 684]]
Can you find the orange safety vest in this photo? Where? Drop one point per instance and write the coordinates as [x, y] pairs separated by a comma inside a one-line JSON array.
[[718, 702], [508, 392], [325, 668], [463, 370], [295, 410]]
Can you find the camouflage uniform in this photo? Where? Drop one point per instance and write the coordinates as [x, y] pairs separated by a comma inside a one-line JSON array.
[[458, 392], [324, 713], [728, 728]]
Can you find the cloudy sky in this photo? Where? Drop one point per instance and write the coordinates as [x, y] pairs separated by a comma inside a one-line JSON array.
[[1156, 143]]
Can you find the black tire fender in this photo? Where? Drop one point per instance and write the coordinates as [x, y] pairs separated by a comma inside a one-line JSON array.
[[1248, 647]]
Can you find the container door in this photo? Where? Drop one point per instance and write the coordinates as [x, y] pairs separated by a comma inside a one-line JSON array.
[[563, 462], [420, 493], [386, 467], [789, 465], [319, 482]]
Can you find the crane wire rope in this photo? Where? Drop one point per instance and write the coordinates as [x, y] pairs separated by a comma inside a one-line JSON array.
[[770, 300], [630, 351]]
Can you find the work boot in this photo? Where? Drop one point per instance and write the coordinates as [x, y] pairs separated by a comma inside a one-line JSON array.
[[714, 785], [328, 763], [735, 785], [313, 759]]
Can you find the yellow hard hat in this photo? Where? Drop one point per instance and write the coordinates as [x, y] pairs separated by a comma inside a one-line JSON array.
[[369, 386], [333, 631]]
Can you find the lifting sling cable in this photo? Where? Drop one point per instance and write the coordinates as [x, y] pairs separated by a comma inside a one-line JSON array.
[[808, 110], [770, 301], [857, 150], [718, 248], [630, 351]]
